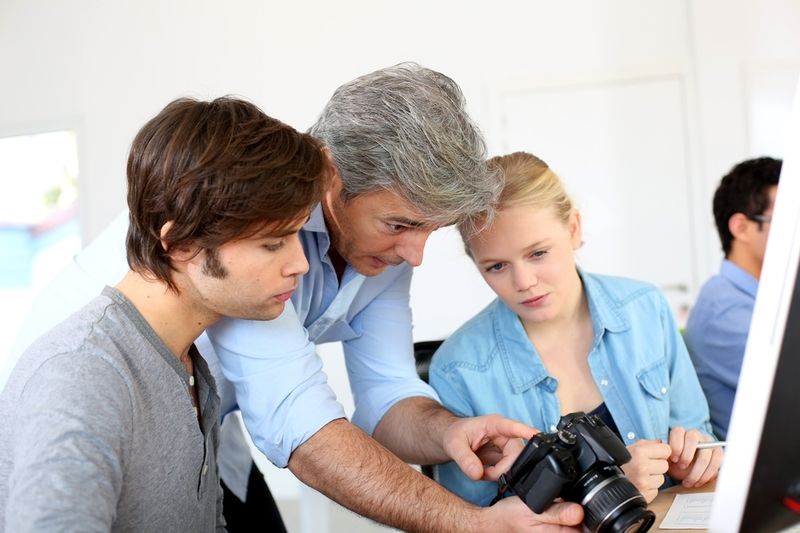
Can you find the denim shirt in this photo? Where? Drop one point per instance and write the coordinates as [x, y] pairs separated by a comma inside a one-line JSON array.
[[716, 335], [637, 358]]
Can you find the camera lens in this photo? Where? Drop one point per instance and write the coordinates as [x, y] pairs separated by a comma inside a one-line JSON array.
[[611, 503], [636, 522]]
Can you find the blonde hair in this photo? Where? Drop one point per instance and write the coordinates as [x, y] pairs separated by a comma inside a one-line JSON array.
[[528, 181]]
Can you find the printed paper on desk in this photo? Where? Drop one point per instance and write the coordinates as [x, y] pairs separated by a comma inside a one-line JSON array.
[[689, 511]]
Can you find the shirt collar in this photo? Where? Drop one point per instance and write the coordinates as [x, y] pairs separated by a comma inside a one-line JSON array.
[[316, 222], [525, 368], [740, 279], [604, 307], [316, 225], [523, 365]]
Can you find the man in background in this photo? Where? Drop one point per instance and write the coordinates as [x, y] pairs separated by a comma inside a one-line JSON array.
[[718, 325]]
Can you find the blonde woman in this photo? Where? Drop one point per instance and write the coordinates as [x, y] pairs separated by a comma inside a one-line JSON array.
[[559, 340]]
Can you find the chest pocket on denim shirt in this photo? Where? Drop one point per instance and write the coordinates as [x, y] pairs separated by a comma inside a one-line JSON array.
[[655, 382]]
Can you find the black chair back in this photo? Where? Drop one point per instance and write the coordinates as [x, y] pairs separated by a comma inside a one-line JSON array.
[[423, 351]]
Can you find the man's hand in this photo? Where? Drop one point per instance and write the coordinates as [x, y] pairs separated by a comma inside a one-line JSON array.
[[511, 514], [648, 464], [484, 447], [346, 465], [694, 467]]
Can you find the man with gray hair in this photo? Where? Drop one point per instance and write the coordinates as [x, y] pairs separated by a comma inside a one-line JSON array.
[[409, 160]]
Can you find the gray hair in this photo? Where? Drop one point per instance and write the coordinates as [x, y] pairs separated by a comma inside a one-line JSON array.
[[405, 129]]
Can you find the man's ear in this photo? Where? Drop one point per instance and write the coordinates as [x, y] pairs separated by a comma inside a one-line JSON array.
[[176, 253], [738, 225], [163, 233], [335, 185], [333, 178]]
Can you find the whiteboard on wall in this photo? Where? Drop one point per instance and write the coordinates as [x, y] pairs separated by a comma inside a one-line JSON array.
[[621, 149]]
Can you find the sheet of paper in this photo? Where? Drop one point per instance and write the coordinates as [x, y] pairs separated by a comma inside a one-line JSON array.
[[689, 511]]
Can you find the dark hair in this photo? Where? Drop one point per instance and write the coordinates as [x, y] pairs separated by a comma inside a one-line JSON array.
[[220, 171], [745, 189]]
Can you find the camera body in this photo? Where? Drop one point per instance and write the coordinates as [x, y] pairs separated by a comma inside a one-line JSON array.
[[579, 462]]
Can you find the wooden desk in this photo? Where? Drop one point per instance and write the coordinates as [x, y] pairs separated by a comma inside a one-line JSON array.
[[663, 501]]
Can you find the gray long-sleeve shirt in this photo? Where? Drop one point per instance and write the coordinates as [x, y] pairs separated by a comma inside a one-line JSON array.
[[99, 432]]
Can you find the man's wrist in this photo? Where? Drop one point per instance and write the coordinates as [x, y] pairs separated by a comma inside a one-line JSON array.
[[479, 520], [448, 427]]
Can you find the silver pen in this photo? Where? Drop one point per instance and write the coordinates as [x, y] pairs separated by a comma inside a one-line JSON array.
[[714, 444]]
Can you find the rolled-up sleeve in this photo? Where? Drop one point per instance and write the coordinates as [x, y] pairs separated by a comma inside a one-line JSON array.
[[380, 359], [280, 387]]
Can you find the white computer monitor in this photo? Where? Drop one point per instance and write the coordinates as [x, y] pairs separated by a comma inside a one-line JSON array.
[[759, 486]]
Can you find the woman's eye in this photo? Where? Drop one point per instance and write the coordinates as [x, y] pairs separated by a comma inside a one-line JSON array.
[[538, 254], [497, 267]]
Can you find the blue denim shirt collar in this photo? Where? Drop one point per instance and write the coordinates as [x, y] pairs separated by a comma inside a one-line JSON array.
[[739, 277], [604, 308], [525, 369]]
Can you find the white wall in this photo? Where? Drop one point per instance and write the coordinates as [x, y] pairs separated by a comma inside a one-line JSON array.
[[104, 67]]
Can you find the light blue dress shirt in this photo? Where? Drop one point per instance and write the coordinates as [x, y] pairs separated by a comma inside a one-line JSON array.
[[280, 386], [638, 361], [716, 335]]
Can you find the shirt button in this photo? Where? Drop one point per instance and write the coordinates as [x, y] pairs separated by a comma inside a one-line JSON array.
[[663, 390], [604, 382], [631, 435], [552, 427], [205, 469]]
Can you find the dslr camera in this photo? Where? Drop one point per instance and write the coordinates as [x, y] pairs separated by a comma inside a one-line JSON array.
[[579, 462]]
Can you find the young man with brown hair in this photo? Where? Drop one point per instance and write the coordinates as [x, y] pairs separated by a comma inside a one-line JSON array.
[[111, 420]]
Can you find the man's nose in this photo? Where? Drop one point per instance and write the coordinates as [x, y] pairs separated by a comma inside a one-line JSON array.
[[412, 247], [297, 263]]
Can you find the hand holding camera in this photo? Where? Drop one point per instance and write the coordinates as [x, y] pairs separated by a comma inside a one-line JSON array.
[[580, 463]]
